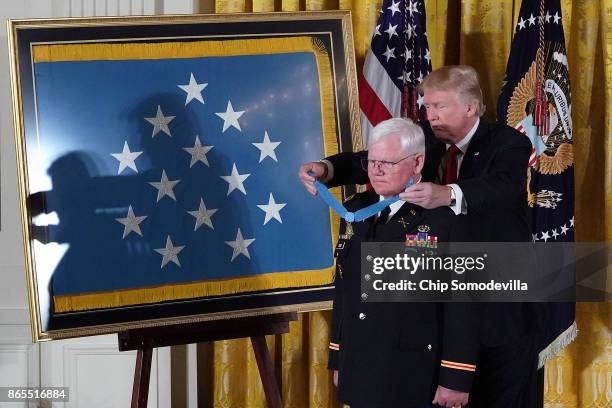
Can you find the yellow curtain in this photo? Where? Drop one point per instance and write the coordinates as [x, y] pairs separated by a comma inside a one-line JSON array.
[[479, 33]]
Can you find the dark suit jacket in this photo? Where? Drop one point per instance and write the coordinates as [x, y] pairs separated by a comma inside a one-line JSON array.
[[389, 354], [493, 177]]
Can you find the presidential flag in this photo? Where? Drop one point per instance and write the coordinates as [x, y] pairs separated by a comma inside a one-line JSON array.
[[171, 168], [535, 99], [397, 61]]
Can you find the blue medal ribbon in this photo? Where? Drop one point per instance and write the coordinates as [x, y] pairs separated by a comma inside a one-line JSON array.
[[360, 215]]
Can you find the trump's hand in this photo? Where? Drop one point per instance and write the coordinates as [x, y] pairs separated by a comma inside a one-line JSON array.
[[427, 195], [450, 398], [318, 169]]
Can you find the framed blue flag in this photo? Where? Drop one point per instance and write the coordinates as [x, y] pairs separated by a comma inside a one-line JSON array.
[[158, 165]]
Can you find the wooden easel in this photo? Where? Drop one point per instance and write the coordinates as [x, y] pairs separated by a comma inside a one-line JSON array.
[[144, 340]]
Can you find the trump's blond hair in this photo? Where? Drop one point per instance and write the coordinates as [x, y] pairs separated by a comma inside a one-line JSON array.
[[462, 79]]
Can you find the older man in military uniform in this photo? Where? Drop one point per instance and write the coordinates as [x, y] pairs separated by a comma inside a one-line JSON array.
[[396, 354]]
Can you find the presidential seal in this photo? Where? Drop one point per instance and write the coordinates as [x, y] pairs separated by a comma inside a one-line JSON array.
[[552, 150]]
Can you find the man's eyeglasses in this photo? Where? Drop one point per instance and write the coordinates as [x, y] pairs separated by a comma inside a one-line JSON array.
[[381, 164]]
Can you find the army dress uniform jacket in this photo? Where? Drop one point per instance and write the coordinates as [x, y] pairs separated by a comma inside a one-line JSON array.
[[395, 354]]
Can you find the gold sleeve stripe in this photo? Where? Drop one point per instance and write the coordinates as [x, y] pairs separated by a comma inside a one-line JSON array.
[[458, 366]]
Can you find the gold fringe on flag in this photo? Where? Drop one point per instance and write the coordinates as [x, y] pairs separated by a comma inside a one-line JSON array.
[[253, 283], [109, 51]]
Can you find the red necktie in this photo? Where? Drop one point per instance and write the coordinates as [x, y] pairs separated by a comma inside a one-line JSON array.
[[450, 176]]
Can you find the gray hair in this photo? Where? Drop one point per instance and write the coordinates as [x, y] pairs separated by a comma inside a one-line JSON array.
[[411, 137]]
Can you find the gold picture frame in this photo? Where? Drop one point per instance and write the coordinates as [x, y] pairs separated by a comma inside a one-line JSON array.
[[80, 83]]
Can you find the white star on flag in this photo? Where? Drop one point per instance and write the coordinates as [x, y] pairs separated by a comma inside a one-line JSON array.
[[272, 209], [420, 100], [391, 31], [531, 19], [131, 223], [194, 90], [164, 186], [160, 122], [198, 152], [170, 252], [377, 30], [389, 53], [547, 16], [202, 215], [405, 77], [230, 117], [407, 54], [545, 236], [556, 17], [266, 148], [394, 7], [412, 8], [126, 158], [235, 180], [240, 245], [564, 229], [410, 30], [521, 23]]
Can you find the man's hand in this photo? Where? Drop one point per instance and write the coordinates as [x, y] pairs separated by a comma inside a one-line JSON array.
[[318, 169], [427, 195], [336, 378], [450, 398]]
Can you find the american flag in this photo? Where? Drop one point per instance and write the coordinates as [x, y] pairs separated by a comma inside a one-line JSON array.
[[397, 61]]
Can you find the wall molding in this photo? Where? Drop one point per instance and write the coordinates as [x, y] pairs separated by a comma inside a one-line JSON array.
[[14, 316], [73, 353], [29, 354], [101, 8]]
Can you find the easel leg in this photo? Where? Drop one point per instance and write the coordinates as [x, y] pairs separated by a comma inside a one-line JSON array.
[[142, 375], [266, 372]]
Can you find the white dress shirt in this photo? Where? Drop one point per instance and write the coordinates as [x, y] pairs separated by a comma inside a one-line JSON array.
[[460, 206]]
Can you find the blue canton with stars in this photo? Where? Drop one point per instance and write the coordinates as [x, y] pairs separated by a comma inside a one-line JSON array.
[[180, 170]]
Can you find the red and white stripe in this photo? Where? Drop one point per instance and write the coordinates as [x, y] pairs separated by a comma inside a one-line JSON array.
[[533, 158], [379, 98]]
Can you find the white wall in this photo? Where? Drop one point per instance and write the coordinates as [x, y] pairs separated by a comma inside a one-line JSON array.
[[99, 376]]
